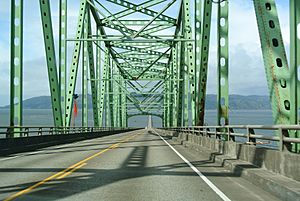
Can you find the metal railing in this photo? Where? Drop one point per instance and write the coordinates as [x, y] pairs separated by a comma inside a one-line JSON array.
[[29, 131], [249, 134]]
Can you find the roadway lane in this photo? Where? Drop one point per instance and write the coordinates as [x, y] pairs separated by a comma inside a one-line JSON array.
[[130, 166]]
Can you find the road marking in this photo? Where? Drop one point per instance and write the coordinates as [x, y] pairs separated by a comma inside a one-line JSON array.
[[44, 150], [69, 172], [5, 159], [63, 172], [18, 156], [204, 178]]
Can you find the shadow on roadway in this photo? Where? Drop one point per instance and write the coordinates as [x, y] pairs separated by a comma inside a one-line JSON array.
[[134, 166]]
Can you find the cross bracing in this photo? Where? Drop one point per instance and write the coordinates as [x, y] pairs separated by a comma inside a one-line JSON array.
[[151, 57]]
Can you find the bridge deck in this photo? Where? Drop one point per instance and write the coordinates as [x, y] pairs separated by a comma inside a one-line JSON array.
[[130, 166]]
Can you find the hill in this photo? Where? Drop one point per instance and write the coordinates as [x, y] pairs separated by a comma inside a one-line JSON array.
[[44, 102], [239, 102], [236, 102]]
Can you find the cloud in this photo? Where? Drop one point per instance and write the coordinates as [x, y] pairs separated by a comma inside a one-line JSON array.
[[5, 7], [35, 75], [4, 53], [246, 68]]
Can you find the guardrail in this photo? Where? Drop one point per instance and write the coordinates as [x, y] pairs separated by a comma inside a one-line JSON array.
[[27, 131], [251, 134]]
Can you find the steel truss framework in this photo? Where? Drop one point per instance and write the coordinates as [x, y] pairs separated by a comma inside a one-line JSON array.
[[133, 67]]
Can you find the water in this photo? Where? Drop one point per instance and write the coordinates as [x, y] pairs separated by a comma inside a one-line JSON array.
[[242, 117], [43, 117]]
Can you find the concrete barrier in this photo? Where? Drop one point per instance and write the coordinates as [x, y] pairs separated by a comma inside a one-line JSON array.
[[277, 172], [281, 162]]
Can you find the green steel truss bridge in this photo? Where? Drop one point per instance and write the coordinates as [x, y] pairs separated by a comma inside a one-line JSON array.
[[133, 67], [138, 58]]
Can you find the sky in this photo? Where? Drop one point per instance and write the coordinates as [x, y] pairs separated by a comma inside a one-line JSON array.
[[246, 76]]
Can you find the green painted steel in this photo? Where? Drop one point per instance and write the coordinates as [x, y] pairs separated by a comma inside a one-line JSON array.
[[84, 76], [63, 21], [223, 48], [16, 66], [107, 97], [197, 49], [103, 88], [133, 9], [175, 90], [136, 50], [111, 97], [204, 53], [275, 60], [93, 83], [190, 56], [98, 75], [115, 96], [119, 104], [157, 15], [152, 63], [124, 104], [166, 102], [144, 22], [144, 10], [180, 87], [294, 66], [185, 76], [51, 62], [74, 64]]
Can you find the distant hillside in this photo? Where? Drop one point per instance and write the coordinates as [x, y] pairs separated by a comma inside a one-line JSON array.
[[44, 102], [236, 102]]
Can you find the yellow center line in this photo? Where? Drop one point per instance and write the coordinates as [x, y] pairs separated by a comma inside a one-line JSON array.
[[66, 171]]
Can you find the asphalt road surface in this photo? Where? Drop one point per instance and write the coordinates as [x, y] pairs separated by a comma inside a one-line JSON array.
[[133, 166]]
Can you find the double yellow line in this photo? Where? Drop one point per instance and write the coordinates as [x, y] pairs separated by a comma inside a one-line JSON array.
[[67, 171]]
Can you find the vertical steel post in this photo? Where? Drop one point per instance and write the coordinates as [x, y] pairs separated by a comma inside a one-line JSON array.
[[185, 76], [165, 103], [124, 106], [93, 82], [63, 15], [190, 58], [110, 94], [115, 98], [107, 112], [168, 93], [197, 49], [175, 86], [102, 94], [107, 99], [181, 84], [16, 66], [204, 53], [85, 63], [51, 62], [172, 88], [120, 103], [98, 76], [294, 65], [74, 65], [222, 97]]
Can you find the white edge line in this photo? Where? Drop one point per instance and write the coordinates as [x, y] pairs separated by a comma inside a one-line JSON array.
[[204, 178], [5, 159]]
